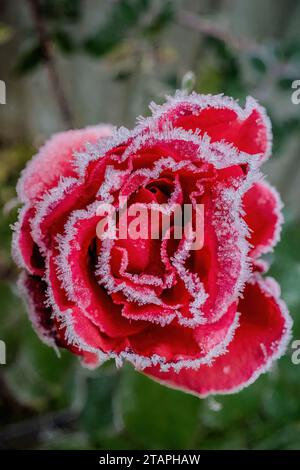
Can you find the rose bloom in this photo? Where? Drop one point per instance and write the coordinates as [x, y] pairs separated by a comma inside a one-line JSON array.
[[205, 321]]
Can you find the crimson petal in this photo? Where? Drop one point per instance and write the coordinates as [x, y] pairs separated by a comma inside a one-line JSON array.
[[261, 338]]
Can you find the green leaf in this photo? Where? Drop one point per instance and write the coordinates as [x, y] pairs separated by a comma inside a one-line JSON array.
[[11, 320], [288, 50], [57, 10], [37, 376], [258, 64], [282, 130], [98, 418], [222, 73], [155, 416], [124, 15], [29, 60], [64, 41], [161, 20], [285, 83], [6, 33]]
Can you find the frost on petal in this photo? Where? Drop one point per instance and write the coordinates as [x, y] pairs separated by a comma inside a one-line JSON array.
[[194, 319], [24, 250], [54, 160], [262, 337], [221, 118], [222, 262], [263, 216], [176, 348], [33, 290], [152, 313], [75, 268], [77, 330]]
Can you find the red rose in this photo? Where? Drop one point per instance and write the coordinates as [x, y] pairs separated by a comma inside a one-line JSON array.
[[202, 320]]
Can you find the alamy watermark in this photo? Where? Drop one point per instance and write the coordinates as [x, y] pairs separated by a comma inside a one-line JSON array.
[[296, 94], [296, 353], [2, 92], [2, 352], [152, 221]]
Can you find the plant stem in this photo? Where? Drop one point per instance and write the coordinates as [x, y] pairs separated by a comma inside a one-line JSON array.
[[46, 45], [209, 28]]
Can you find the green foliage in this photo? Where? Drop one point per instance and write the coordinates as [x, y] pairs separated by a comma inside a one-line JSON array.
[[61, 10], [100, 395], [6, 33], [227, 69], [258, 64], [161, 19], [124, 15], [64, 41], [128, 39], [283, 130], [156, 417], [29, 59]]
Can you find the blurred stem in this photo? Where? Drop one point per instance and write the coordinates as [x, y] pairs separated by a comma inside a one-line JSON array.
[[46, 45], [27, 433], [9, 402], [209, 28], [7, 272]]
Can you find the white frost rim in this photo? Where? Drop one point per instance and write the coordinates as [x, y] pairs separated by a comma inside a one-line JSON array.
[[277, 211], [278, 353], [42, 333]]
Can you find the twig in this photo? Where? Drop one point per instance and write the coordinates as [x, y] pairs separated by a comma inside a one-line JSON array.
[[9, 403], [208, 27], [46, 46], [29, 431]]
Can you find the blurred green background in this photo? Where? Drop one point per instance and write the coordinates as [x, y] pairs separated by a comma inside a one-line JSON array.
[[78, 62]]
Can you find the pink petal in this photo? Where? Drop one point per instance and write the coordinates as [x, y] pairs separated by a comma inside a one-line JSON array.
[[54, 160]]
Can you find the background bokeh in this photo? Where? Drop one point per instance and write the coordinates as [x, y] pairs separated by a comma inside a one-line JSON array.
[[78, 62]]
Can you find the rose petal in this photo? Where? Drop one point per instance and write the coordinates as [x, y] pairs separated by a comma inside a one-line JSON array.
[[76, 271], [176, 348], [263, 216], [222, 263], [54, 160], [33, 290], [24, 251], [79, 330], [221, 118], [261, 338]]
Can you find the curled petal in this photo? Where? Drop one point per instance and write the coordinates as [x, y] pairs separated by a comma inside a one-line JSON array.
[[221, 118], [262, 337], [24, 250], [172, 347], [262, 205], [33, 290], [74, 267], [77, 331], [191, 311], [54, 160]]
